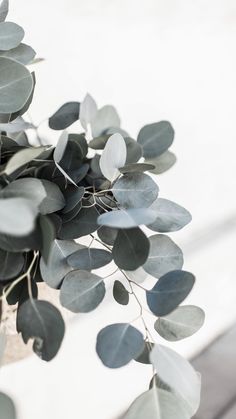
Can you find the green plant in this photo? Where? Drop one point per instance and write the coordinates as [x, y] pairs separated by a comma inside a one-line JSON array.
[[93, 184]]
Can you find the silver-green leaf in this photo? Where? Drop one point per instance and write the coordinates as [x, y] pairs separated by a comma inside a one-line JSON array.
[[156, 138], [169, 216], [17, 216], [113, 157], [11, 35], [129, 218]]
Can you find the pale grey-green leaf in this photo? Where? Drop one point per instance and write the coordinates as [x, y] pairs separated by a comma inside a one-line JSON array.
[[113, 157], [169, 216], [104, 119], [164, 256], [24, 54], [16, 85], [4, 6], [82, 291], [7, 407], [156, 138], [29, 188], [178, 373], [162, 163], [129, 218], [22, 157], [11, 35], [17, 216], [88, 110], [181, 323]]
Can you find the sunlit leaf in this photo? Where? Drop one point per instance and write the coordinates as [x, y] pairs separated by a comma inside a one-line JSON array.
[[113, 157], [11, 35], [105, 118], [22, 157], [169, 216], [129, 218], [17, 216], [88, 110]]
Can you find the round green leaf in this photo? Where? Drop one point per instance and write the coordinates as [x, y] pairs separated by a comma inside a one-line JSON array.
[[143, 358], [134, 150], [181, 323], [135, 190], [162, 163], [57, 267], [177, 372], [11, 264], [24, 54], [105, 118], [28, 188], [113, 157], [54, 199], [138, 275], [82, 291], [83, 224], [171, 289], [130, 249], [156, 138], [43, 322], [16, 85], [120, 293], [164, 256], [7, 407], [169, 216], [157, 404], [129, 218], [11, 35], [118, 344], [17, 216], [72, 197], [65, 116], [89, 259]]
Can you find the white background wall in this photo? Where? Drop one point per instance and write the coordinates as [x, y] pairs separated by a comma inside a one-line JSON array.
[[152, 59]]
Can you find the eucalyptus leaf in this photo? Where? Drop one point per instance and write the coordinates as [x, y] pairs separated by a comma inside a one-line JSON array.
[[181, 323], [57, 267], [134, 150], [23, 53], [162, 163], [136, 167], [117, 344], [72, 197], [181, 377], [113, 157], [98, 143], [59, 152], [54, 199], [138, 275], [65, 116], [170, 216], [157, 404], [135, 190], [129, 218], [164, 256], [43, 322], [16, 126], [82, 291], [11, 264], [88, 110], [107, 235], [156, 138], [8, 410], [11, 35], [48, 236], [120, 293], [4, 6], [171, 289], [83, 224], [131, 249], [16, 85], [144, 358], [105, 118], [22, 158], [17, 216], [89, 259], [28, 188]]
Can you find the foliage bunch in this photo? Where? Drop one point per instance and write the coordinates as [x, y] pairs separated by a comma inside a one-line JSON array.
[[93, 184]]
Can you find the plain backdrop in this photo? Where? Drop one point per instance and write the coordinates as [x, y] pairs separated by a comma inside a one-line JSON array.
[[152, 59]]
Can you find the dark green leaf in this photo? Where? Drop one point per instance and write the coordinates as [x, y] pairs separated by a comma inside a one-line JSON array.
[[171, 289], [57, 267], [11, 35], [54, 200], [65, 116], [89, 259], [82, 225], [136, 167], [107, 235], [134, 150], [120, 293], [164, 256], [11, 265], [143, 358], [131, 249], [43, 322], [99, 143], [48, 236], [156, 138], [169, 216], [118, 344], [181, 323], [20, 292], [129, 218], [135, 190], [82, 291], [72, 197]]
